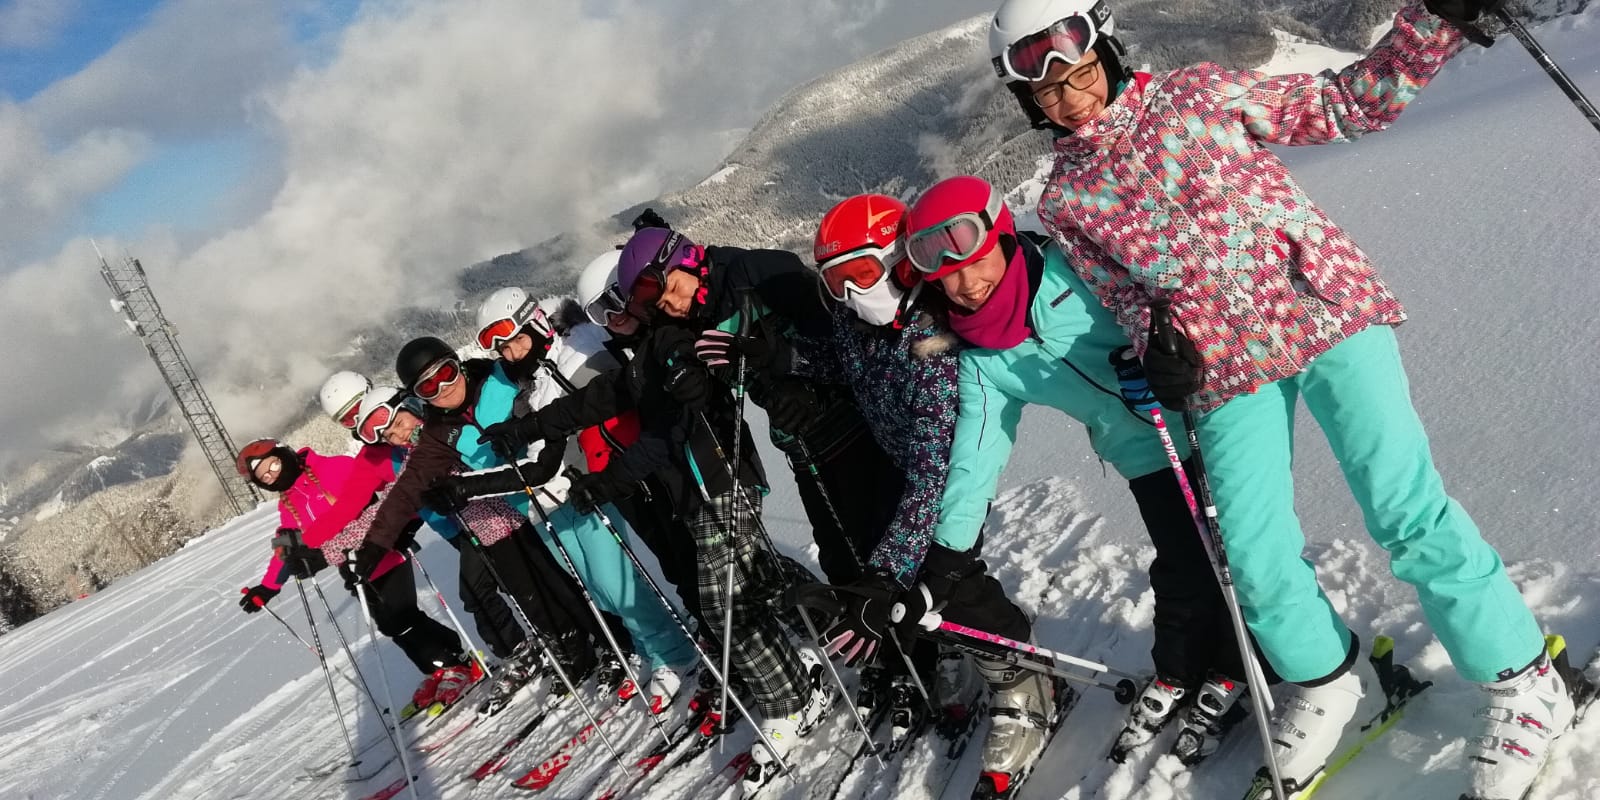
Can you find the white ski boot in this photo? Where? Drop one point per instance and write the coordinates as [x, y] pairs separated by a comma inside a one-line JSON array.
[[1022, 714], [783, 732], [1157, 705], [1309, 723], [1526, 711], [958, 692], [1208, 720]]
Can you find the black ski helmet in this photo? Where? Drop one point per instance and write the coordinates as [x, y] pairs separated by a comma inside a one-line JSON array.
[[417, 356]]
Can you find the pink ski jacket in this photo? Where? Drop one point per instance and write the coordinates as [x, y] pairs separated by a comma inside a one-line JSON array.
[[332, 505], [1172, 193]]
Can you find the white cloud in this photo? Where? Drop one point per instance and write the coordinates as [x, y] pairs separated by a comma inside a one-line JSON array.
[[27, 24]]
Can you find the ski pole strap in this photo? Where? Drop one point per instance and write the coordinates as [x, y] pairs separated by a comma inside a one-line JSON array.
[[1130, 377]]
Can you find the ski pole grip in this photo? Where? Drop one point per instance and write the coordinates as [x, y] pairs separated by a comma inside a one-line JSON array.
[[1130, 377]]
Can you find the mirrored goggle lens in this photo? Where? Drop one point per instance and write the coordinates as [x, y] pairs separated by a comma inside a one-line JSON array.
[[347, 417], [956, 239], [647, 289], [375, 424], [861, 273], [439, 376], [496, 332], [1069, 40]]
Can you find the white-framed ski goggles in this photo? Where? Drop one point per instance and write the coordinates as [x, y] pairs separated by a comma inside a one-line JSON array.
[[605, 308], [859, 269], [956, 239], [1066, 40]]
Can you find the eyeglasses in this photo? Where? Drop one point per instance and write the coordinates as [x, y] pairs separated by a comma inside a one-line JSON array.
[[1066, 40], [347, 415], [956, 239], [859, 269], [376, 422], [253, 452], [1081, 79], [435, 378]]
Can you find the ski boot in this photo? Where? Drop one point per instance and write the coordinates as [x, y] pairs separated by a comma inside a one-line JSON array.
[[874, 690], [455, 681], [663, 687], [1525, 713], [784, 732], [1309, 723], [521, 668], [1023, 713], [611, 676], [1215, 711], [1157, 705], [908, 713], [958, 693]]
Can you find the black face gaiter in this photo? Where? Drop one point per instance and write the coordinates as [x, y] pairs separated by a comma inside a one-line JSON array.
[[288, 472]]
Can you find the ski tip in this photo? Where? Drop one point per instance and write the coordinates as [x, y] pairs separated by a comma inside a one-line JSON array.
[[1382, 646]]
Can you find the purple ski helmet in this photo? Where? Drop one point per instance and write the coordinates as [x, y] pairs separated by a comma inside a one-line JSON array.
[[654, 247]]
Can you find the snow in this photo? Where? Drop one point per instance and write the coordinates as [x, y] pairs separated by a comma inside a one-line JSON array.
[[1479, 208], [49, 508], [100, 461], [720, 175], [1295, 54]]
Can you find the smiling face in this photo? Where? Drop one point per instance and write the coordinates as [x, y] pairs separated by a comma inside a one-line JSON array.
[[451, 396], [400, 430], [516, 348], [676, 301], [970, 286], [1071, 95]]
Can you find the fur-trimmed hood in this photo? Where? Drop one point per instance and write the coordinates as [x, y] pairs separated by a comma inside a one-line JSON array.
[[563, 312]]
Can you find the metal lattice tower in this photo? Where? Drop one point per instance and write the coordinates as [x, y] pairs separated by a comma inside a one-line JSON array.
[[133, 297]]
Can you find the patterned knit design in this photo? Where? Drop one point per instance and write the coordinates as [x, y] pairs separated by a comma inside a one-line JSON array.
[[492, 519], [909, 403], [1171, 193], [351, 537]]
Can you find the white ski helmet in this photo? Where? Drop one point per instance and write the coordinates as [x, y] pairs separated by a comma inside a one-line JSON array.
[[505, 313], [596, 288], [340, 395], [1027, 36], [390, 397]]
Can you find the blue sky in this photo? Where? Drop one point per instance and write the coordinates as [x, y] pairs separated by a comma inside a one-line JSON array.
[[91, 28]]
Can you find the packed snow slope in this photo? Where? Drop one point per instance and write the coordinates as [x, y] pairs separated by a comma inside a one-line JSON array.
[[1479, 207]]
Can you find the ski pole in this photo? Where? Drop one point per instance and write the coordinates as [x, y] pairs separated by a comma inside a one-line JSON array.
[[1136, 390], [588, 598], [1124, 690], [1551, 68], [549, 654], [307, 645], [472, 647], [327, 672], [866, 735], [1034, 650], [683, 625], [344, 643], [735, 466], [383, 677]]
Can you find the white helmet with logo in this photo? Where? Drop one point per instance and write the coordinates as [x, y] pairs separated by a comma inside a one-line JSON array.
[[1027, 36], [505, 313], [595, 284], [341, 393]]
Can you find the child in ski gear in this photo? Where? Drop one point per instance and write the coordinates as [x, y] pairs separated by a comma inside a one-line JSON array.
[[687, 421], [309, 486], [1038, 337], [1164, 192]]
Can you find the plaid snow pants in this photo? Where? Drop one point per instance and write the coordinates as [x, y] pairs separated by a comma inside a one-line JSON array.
[[762, 656]]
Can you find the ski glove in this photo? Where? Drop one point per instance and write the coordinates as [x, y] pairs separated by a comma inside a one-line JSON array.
[[649, 219], [255, 597], [792, 405], [719, 349], [362, 563], [690, 385], [1462, 12], [510, 438], [1172, 366], [595, 489]]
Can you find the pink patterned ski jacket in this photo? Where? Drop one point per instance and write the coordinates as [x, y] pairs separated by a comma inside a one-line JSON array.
[[1171, 192]]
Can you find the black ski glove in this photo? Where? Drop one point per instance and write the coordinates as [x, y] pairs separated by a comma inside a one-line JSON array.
[[595, 489], [447, 495], [255, 597], [792, 405], [722, 350], [362, 563], [1462, 13], [649, 219], [1171, 364], [857, 634], [299, 559], [510, 439], [943, 569], [691, 385]]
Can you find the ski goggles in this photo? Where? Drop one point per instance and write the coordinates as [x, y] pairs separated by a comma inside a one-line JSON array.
[[1067, 40], [609, 305], [491, 336], [376, 422], [860, 269], [435, 378], [647, 289], [252, 453], [957, 239], [347, 415]]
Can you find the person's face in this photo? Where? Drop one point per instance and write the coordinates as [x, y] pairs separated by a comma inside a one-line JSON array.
[[676, 301], [623, 324], [516, 348], [1071, 95], [451, 396], [971, 286], [404, 425], [267, 470]]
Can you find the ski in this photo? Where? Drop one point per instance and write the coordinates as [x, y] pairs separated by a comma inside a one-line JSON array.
[[1399, 689], [539, 778], [957, 729], [1003, 786], [497, 761], [826, 782], [392, 790], [687, 737]]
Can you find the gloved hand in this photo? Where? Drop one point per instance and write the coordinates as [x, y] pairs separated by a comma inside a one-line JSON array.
[[255, 597], [448, 495], [303, 561], [510, 438], [690, 385], [719, 349], [595, 489], [857, 634], [944, 569], [649, 219], [1171, 364], [792, 405], [363, 562], [407, 541], [1462, 12]]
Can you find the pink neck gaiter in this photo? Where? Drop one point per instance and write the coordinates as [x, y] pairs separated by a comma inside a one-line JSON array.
[[1002, 322]]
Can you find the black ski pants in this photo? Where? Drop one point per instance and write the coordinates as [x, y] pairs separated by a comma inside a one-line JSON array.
[[1194, 634], [480, 597], [392, 599], [864, 486]]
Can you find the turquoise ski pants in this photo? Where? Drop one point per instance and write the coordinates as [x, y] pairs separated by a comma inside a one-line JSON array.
[[1358, 394], [617, 587]]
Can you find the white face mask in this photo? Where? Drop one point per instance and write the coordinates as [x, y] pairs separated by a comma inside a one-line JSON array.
[[878, 305]]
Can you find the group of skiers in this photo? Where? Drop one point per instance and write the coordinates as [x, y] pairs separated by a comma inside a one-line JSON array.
[[893, 370]]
